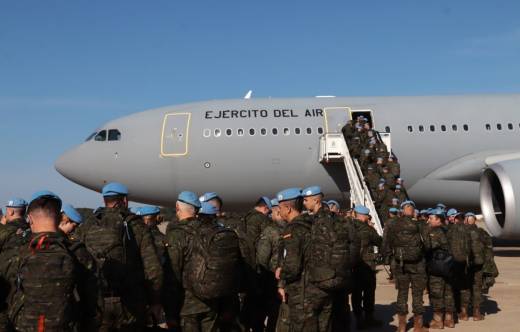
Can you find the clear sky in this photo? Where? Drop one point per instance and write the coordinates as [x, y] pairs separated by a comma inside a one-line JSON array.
[[68, 66]]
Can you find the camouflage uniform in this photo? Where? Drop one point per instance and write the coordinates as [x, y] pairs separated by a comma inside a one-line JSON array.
[[407, 273], [440, 290], [489, 270], [267, 257], [310, 308], [472, 295], [138, 276], [363, 295]]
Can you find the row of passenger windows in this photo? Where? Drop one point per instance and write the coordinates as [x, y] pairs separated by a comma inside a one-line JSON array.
[[111, 134], [433, 128], [217, 132]]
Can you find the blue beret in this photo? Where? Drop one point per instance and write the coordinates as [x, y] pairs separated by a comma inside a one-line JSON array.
[[208, 196], [311, 191], [440, 205], [114, 189], [393, 210], [72, 213], [274, 202], [134, 210], [452, 212], [437, 212], [424, 211], [470, 214], [289, 194], [361, 209], [333, 202], [16, 203], [208, 208], [148, 211], [267, 201], [45, 194], [405, 203], [190, 198]]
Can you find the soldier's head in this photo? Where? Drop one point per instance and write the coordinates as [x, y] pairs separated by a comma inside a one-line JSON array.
[[43, 212], [70, 219], [275, 210], [207, 211], [408, 208], [380, 161], [312, 197], [290, 203], [393, 212], [436, 218], [187, 205], [451, 215], [214, 199], [15, 209], [334, 206], [263, 205], [362, 213], [150, 214], [115, 195], [470, 218]]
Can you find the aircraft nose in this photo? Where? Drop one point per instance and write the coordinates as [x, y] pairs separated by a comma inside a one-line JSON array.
[[69, 165]]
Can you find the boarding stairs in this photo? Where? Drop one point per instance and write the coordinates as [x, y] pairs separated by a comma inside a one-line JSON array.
[[334, 149]]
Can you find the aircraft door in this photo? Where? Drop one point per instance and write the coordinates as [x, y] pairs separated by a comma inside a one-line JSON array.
[[175, 134], [335, 118]]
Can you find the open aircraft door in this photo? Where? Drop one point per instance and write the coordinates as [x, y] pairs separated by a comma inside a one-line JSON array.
[[175, 134], [335, 118]]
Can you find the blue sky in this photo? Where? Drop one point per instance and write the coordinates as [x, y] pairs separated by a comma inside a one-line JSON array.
[[68, 66]]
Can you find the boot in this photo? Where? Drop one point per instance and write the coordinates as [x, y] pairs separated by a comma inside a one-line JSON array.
[[370, 321], [437, 322], [360, 322], [477, 315], [418, 323], [463, 315], [448, 320], [402, 323]]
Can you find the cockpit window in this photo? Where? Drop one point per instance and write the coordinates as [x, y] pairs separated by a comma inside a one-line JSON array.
[[101, 136], [91, 136], [114, 135]]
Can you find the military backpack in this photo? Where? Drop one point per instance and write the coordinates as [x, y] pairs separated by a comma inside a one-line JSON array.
[[459, 242], [406, 241], [212, 267]]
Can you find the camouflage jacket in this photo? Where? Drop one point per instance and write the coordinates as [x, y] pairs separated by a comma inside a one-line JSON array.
[[369, 239], [295, 242], [267, 248], [435, 238]]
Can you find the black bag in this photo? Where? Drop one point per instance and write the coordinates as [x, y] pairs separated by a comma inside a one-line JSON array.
[[441, 264]]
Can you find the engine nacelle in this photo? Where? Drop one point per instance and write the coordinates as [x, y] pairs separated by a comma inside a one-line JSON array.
[[500, 198]]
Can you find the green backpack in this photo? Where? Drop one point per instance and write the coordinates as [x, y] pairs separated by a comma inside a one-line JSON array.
[[406, 241], [459, 242]]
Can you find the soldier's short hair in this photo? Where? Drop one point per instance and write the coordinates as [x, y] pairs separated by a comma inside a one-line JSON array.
[[49, 207], [295, 204], [113, 199]]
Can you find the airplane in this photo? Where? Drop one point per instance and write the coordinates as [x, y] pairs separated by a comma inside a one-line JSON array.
[[459, 150]]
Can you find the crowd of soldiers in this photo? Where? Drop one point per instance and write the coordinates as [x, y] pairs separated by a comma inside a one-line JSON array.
[[292, 263]]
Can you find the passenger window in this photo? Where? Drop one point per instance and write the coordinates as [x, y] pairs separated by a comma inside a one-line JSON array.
[[421, 128], [114, 135], [309, 130], [510, 126], [206, 133], [432, 128], [101, 136], [286, 131], [499, 126], [454, 127], [229, 132], [320, 130], [410, 129], [251, 132], [297, 131], [488, 126], [217, 132], [465, 127], [443, 128], [387, 129], [275, 131], [91, 136], [263, 131], [240, 132]]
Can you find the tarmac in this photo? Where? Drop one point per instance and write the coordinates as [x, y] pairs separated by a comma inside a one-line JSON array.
[[501, 306]]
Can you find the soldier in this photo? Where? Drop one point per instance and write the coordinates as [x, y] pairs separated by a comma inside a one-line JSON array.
[[405, 245], [295, 255], [267, 250], [49, 280], [372, 178], [13, 235], [130, 270], [393, 214], [363, 295], [348, 131], [70, 219], [334, 206], [473, 295], [393, 166], [437, 255], [190, 241]]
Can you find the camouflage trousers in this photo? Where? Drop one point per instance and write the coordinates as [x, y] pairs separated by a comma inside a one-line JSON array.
[[472, 294], [363, 295], [122, 317], [410, 275], [441, 294], [310, 310], [340, 311]]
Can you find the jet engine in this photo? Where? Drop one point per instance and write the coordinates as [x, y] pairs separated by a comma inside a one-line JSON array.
[[500, 198]]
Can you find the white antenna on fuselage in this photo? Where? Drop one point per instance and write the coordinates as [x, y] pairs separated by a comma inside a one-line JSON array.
[[248, 94]]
